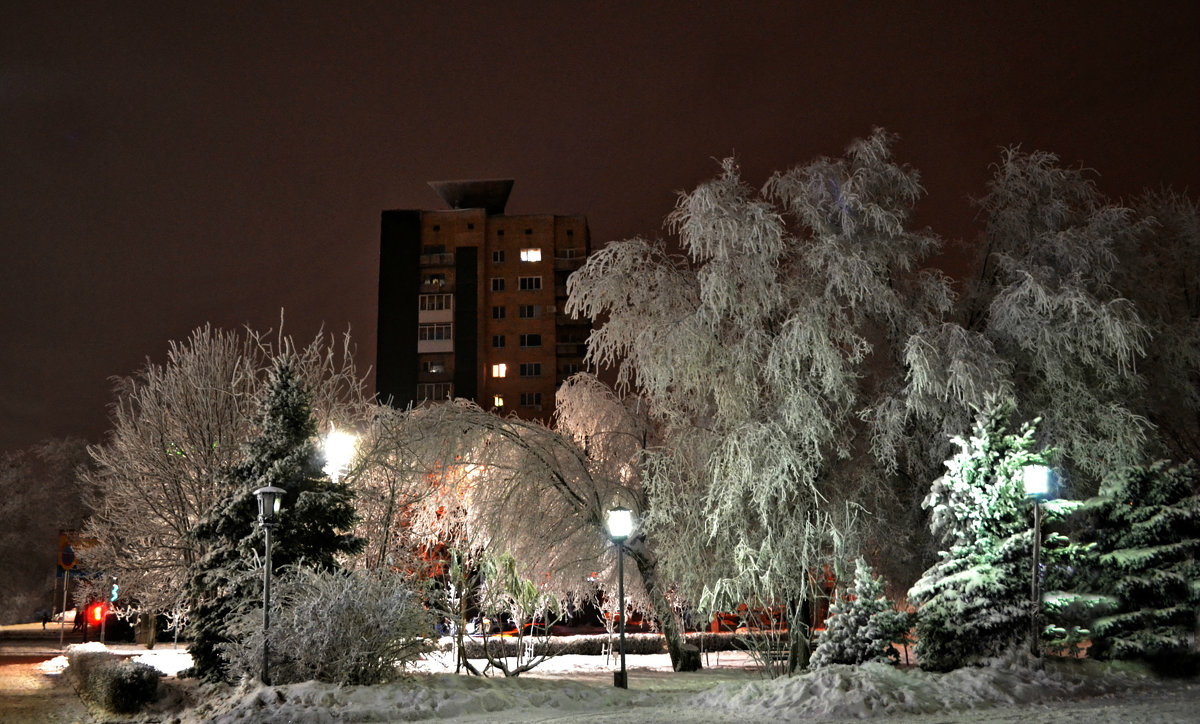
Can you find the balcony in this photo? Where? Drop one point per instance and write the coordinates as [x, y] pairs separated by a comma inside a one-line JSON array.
[[437, 260], [567, 263]]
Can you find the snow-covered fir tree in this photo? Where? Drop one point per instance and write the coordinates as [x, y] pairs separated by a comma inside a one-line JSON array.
[[311, 528], [859, 627], [973, 604], [1144, 528]]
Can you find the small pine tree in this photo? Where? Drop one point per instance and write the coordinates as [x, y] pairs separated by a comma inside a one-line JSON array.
[[227, 582], [1144, 528], [974, 604], [859, 628]]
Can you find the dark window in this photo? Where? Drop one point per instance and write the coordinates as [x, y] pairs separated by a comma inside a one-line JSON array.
[[497, 284], [531, 399], [531, 369], [498, 256], [527, 311], [498, 313], [436, 227], [470, 227], [531, 340], [498, 341], [530, 283], [528, 232]]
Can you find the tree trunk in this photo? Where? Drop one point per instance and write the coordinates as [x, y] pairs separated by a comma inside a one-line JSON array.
[[684, 656], [147, 629], [799, 631]]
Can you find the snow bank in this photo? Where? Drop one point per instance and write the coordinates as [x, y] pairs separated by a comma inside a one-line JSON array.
[[873, 690]]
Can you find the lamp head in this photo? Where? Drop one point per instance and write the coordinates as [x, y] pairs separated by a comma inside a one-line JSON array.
[[620, 523], [1037, 480], [269, 499]]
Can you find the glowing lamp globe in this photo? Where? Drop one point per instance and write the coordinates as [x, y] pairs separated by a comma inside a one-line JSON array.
[[1037, 481], [339, 451], [620, 523]]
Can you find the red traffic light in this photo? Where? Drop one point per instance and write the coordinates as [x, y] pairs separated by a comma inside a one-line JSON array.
[[96, 613]]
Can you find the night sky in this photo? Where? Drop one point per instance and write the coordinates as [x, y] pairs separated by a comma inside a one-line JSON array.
[[167, 164]]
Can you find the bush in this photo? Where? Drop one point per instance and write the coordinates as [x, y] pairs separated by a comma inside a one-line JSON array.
[[110, 682], [339, 627]]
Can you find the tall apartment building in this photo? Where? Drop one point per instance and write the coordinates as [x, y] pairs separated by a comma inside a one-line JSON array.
[[471, 302]]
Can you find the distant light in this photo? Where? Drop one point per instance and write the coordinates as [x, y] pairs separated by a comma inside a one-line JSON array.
[[1037, 481], [339, 451], [620, 523], [498, 400], [531, 255]]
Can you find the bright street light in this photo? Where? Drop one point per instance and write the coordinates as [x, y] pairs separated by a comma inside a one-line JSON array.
[[1037, 480], [620, 525], [339, 451]]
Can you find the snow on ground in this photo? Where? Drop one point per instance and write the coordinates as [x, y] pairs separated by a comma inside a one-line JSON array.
[[579, 688]]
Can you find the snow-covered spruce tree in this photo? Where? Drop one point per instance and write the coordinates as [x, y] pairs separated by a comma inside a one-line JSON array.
[[311, 530], [1144, 528], [973, 604], [772, 353], [858, 629]]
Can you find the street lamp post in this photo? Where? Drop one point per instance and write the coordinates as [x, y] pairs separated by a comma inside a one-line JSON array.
[[620, 525], [1036, 479], [268, 506]]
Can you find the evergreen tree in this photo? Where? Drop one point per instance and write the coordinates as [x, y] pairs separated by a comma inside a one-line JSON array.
[[974, 603], [1144, 528], [310, 530], [859, 628]]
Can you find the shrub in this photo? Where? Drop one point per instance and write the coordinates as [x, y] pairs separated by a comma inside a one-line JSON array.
[[340, 627], [110, 682]]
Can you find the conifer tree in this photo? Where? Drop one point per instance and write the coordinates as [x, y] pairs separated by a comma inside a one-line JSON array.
[[858, 629], [1144, 528], [974, 603], [311, 528]]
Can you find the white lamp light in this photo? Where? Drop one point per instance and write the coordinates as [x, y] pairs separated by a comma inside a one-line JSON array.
[[268, 503], [620, 523], [1037, 481], [339, 451]]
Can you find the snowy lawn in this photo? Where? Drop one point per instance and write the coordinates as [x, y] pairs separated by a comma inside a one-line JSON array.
[[579, 688]]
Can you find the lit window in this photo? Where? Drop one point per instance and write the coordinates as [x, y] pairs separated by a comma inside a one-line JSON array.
[[499, 370], [531, 255], [530, 283], [498, 400]]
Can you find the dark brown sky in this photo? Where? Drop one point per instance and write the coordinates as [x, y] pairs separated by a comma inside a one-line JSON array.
[[166, 164]]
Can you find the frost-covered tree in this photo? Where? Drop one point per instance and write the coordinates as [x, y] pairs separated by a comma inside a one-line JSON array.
[[1043, 322], [1161, 274], [177, 429], [541, 493], [38, 498], [1144, 531], [312, 529], [973, 604], [771, 351], [859, 628]]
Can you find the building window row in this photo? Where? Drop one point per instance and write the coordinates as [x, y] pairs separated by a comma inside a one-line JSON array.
[[428, 332], [528, 399], [529, 283], [434, 391], [435, 302]]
